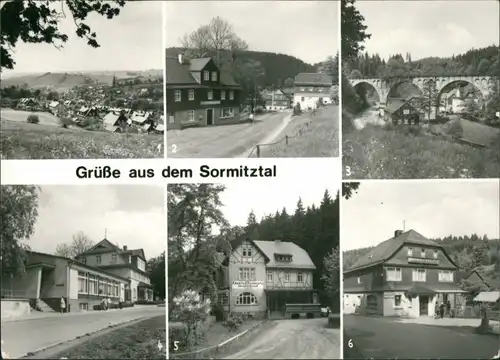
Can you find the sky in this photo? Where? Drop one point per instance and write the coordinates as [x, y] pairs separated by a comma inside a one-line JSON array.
[[429, 28], [241, 197], [130, 215], [432, 208], [130, 41], [308, 30]]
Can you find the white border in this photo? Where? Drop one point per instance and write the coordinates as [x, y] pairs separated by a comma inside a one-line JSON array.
[[163, 61]]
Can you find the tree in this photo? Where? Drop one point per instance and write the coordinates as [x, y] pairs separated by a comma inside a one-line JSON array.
[[78, 245], [288, 82], [349, 188], [18, 215], [353, 30], [197, 234], [429, 98], [38, 22], [331, 274], [216, 38], [156, 271]]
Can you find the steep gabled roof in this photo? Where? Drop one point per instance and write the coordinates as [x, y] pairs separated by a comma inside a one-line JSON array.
[[106, 246], [198, 64], [385, 250], [313, 79], [300, 258]]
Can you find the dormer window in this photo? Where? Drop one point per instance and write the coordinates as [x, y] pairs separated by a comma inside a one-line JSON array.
[[214, 75], [206, 75], [223, 94], [410, 251], [210, 94], [283, 257], [435, 254], [422, 253]]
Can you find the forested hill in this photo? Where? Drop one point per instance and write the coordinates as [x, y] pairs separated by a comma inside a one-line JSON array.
[[278, 67], [484, 61], [469, 253]]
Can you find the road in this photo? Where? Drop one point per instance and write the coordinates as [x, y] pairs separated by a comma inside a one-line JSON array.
[[294, 339], [225, 141], [31, 335], [389, 338]]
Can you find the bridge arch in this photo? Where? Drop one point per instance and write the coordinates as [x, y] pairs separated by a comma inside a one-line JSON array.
[[374, 84], [416, 83], [480, 85]]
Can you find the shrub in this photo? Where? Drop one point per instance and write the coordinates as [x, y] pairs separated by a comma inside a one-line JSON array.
[[218, 312], [234, 321], [33, 119]]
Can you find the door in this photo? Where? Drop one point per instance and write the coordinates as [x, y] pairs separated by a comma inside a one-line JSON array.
[[424, 305], [210, 116]]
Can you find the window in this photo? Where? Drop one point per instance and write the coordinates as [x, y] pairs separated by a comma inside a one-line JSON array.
[[231, 95], [101, 286], [191, 94], [320, 90], [134, 294], [397, 300], [206, 75], [171, 117], [246, 298], [302, 99], [223, 94], [177, 95], [82, 282], [359, 280], [393, 274], [210, 94], [445, 276], [287, 276], [98, 259], [311, 89], [191, 115], [302, 89], [269, 276], [83, 306], [214, 75], [371, 301], [435, 254], [113, 258], [246, 274], [418, 275], [422, 253], [226, 112], [410, 251], [223, 298], [93, 285], [300, 277], [247, 250]]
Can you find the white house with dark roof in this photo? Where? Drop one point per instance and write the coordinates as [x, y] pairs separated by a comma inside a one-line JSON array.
[[311, 88], [403, 276], [264, 276], [126, 263]]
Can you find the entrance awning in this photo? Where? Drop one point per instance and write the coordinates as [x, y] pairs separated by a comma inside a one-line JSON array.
[[417, 290], [488, 296], [143, 284]]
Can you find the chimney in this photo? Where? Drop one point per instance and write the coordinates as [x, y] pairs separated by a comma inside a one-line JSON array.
[[180, 58], [125, 248], [397, 233]]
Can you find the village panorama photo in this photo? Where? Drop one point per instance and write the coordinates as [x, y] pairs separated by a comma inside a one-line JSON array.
[[426, 262], [253, 270], [420, 97], [242, 82], [83, 272], [81, 82]]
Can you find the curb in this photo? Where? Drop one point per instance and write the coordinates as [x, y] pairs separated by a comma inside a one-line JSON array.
[[33, 353], [209, 352]]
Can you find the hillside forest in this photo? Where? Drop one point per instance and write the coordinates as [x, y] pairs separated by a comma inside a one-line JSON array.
[[195, 210]]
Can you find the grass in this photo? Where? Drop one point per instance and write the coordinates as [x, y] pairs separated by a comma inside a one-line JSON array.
[[19, 140], [137, 341], [309, 136], [388, 153]]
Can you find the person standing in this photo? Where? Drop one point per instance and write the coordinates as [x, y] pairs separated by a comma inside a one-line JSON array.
[[63, 305], [441, 310], [251, 117], [448, 308]]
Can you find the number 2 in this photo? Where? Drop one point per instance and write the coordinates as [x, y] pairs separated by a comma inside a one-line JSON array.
[[174, 149]]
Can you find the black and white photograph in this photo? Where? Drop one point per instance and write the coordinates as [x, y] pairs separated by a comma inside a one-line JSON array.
[[420, 89], [253, 270], [81, 80], [421, 277], [247, 79], [88, 287]]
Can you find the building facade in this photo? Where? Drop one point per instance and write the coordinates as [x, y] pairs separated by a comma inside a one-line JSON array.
[[123, 262], [199, 94], [403, 276], [276, 100], [311, 89], [399, 112], [49, 277], [263, 276]]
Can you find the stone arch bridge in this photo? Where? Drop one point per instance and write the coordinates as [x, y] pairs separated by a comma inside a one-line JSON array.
[[383, 87]]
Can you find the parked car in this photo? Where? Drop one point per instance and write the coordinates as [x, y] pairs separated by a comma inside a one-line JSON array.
[[325, 311]]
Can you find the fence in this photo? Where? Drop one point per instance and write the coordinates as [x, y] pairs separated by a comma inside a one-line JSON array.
[[475, 312], [298, 133]]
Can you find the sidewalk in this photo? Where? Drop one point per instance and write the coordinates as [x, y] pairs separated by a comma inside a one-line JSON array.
[[458, 322]]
